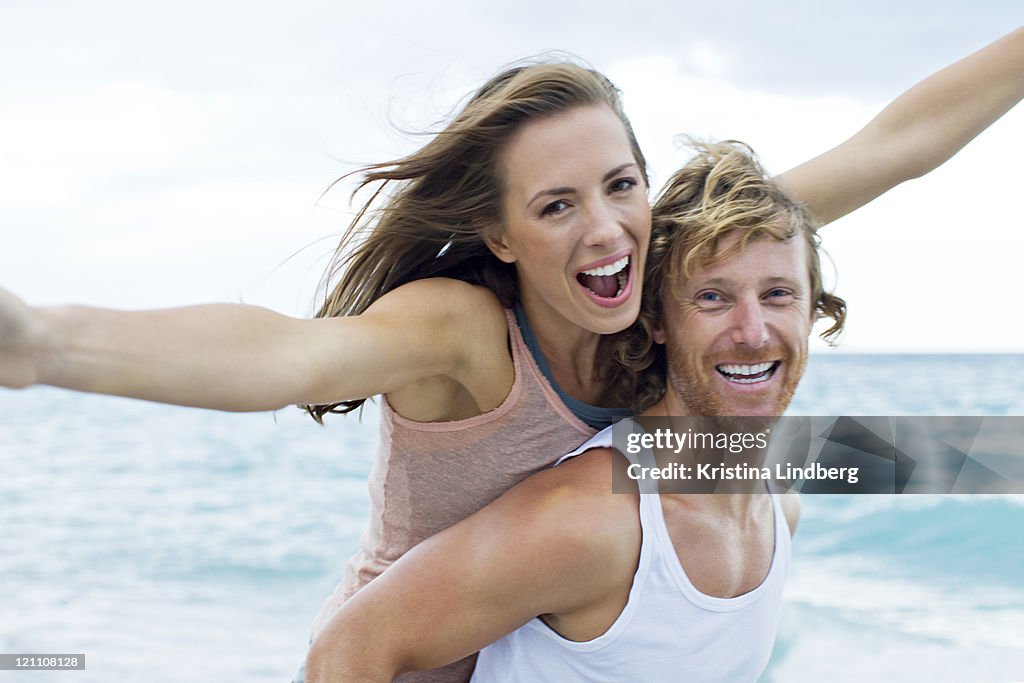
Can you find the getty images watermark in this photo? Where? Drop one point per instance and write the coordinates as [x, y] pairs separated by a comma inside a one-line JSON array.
[[691, 442], [821, 454]]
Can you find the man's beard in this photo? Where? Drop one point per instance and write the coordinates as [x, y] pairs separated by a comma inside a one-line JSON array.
[[695, 387]]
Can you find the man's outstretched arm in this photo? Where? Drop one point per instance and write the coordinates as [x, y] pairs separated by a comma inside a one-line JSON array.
[[916, 133]]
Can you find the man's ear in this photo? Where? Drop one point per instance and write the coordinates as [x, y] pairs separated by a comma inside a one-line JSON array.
[[658, 334]]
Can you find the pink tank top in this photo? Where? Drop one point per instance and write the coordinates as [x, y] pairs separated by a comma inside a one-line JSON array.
[[429, 475]]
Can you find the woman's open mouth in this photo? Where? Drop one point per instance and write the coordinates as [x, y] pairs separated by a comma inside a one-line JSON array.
[[608, 284]]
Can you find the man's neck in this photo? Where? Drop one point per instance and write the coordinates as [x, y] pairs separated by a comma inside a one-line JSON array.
[[734, 498]]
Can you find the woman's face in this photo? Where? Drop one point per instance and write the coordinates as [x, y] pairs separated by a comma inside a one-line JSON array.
[[576, 220]]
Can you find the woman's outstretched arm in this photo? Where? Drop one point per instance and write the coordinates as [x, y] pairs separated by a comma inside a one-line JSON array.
[[916, 133], [237, 357]]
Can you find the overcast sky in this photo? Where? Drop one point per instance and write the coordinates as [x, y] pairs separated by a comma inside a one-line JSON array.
[[163, 154]]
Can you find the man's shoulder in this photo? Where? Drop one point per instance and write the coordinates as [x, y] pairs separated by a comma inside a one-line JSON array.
[[575, 534], [575, 501]]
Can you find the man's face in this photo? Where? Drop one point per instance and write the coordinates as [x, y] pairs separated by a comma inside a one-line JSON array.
[[736, 339]]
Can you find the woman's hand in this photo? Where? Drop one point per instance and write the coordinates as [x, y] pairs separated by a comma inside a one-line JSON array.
[[22, 331]]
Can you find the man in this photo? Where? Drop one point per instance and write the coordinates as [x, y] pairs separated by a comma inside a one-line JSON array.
[[573, 581]]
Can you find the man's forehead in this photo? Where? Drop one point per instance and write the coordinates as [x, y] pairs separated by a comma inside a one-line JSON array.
[[763, 259]]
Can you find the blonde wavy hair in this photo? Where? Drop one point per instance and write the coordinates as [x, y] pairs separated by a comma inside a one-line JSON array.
[[429, 212], [721, 191]]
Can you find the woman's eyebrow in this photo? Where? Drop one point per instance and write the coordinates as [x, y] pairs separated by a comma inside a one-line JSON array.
[[570, 190], [617, 170]]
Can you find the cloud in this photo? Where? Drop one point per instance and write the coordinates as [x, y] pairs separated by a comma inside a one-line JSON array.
[[56, 147], [156, 155]]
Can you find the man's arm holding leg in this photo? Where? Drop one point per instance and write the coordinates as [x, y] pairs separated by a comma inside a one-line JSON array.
[[542, 548]]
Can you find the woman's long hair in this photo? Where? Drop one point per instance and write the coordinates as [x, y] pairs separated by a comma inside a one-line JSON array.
[[428, 212]]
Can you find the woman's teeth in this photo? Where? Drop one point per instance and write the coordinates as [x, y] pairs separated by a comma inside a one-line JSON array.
[[606, 281], [610, 269]]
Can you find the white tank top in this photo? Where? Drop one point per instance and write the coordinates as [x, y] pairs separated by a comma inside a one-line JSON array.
[[668, 630]]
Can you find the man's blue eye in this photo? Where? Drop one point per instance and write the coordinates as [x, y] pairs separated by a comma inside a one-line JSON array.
[[708, 296]]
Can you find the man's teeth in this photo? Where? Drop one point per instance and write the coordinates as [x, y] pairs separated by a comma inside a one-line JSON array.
[[747, 374], [610, 269], [745, 369]]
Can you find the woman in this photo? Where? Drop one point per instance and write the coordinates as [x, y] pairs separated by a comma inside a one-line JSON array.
[[534, 195]]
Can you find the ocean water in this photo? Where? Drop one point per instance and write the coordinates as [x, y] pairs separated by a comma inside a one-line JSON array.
[[170, 544]]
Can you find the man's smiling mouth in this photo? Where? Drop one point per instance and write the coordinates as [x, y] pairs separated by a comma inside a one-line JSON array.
[[748, 374]]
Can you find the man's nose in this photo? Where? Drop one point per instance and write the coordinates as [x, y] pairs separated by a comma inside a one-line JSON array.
[[750, 328]]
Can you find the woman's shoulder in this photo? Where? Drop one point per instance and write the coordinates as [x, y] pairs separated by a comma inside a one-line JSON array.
[[450, 303], [470, 324]]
